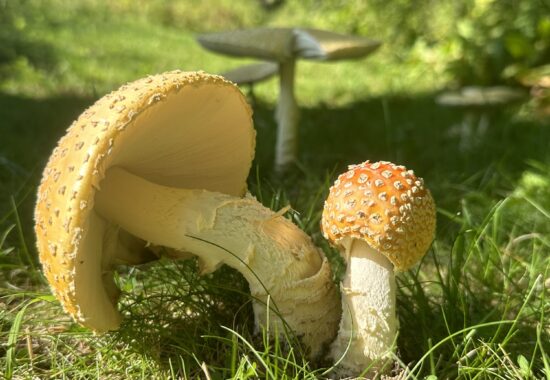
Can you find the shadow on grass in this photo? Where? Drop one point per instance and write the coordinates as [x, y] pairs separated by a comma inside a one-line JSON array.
[[16, 50], [414, 131], [411, 130], [29, 130], [17, 46]]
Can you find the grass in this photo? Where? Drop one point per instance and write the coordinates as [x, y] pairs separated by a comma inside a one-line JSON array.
[[475, 308]]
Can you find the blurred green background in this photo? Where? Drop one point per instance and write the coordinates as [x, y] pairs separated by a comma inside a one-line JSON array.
[[88, 46], [58, 56]]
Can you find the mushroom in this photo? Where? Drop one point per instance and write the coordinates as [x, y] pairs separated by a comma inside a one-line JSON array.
[[476, 102], [251, 74], [285, 46], [382, 219], [164, 161], [538, 79]]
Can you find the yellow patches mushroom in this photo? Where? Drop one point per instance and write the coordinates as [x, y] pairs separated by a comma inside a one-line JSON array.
[[164, 161], [382, 218]]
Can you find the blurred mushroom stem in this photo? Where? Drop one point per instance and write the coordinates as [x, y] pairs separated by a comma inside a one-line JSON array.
[[473, 127], [282, 266], [287, 116], [368, 325]]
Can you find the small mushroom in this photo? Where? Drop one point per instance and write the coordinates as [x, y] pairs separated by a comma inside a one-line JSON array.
[[538, 79], [164, 161], [382, 219], [476, 103], [248, 75], [285, 46]]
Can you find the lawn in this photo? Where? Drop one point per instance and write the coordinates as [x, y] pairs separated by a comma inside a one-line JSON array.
[[475, 308]]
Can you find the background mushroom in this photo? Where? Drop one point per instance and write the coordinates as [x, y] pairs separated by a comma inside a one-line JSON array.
[[538, 79], [382, 219], [164, 160], [285, 46], [248, 75], [477, 102]]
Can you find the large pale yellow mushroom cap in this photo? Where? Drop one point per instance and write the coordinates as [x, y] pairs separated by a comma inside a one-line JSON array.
[[178, 129]]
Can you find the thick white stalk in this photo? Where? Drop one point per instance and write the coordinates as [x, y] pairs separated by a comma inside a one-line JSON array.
[[275, 256], [287, 116], [368, 323]]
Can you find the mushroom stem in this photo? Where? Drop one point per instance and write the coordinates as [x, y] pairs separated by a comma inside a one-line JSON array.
[[287, 116], [368, 323], [276, 258]]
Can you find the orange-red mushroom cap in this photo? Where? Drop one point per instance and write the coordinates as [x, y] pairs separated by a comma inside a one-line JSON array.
[[385, 205]]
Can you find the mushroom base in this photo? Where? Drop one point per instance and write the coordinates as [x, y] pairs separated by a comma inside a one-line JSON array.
[[368, 328]]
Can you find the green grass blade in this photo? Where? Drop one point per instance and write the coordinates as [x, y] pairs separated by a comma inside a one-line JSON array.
[[29, 260], [13, 336], [253, 350]]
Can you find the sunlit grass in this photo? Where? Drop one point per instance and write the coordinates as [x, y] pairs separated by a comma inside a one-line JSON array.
[[88, 47], [480, 311]]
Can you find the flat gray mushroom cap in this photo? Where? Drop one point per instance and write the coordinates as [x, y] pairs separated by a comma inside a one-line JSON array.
[[262, 43], [329, 46], [249, 74], [282, 44], [475, 96]]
